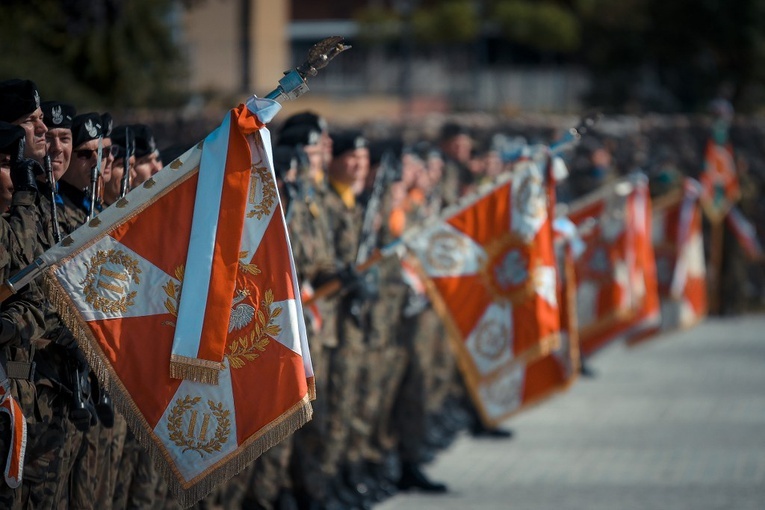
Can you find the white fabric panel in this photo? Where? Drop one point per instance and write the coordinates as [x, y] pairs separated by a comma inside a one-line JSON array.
[[445, 251], [491, 341]]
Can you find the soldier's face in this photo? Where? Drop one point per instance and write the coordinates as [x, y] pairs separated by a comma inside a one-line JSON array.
[[113, 187], [459, 148], [315, 155], [143, 169], [107, 160], [35, 135], [84, 158], [347, 167], [59, 142]]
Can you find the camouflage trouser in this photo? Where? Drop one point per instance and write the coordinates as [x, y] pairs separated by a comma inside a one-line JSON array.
[[111, 443], [437, 355], [409, 412], [345, 364], [50, 435], [85, 472], [309, 440], [136, 481]]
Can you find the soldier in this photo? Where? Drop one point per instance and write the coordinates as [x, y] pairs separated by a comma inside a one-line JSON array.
[[147, 160], [314, 255], [57, 412], [113, 188], [76, 184]]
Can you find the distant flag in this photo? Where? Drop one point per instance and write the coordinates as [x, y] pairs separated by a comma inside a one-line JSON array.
[[720, 188], [490, 272], [617, 293], [745, 233]]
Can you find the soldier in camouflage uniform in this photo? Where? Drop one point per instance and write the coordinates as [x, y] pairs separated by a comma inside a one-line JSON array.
[[52, 413]]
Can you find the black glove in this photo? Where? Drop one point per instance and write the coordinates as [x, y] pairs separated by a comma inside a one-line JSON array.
[[24, 171], [361, 286], [82, 412], [103, 403]]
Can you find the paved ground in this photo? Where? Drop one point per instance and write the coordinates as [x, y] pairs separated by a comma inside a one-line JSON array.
[[677, 423]]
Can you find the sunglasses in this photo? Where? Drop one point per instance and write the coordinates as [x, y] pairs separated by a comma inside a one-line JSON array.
[[89, 153]]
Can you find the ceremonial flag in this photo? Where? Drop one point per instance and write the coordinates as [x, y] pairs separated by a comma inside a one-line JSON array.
[[679, 249], [745, 233], [490, 272], [616, 275], [194, 270], [719, 181]]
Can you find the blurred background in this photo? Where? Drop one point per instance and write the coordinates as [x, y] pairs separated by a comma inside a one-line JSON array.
[[409, 56]]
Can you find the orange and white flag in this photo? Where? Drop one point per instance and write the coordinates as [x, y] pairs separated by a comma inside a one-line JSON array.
[[679, 249], [184, 297], [490, 272], [617, 293], [720, 188]]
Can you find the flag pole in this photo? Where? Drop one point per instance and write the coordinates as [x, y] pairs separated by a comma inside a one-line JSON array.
[[291, 86]]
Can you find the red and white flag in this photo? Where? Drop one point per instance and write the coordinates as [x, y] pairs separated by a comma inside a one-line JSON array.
[[746, 234], [617, 292], [490, 272], [679, 249], [184, 297]]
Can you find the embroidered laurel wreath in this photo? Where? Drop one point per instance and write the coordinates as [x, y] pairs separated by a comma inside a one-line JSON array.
[[245, 348], [173, 292], [263, 207], [187, 441], [92, 281]]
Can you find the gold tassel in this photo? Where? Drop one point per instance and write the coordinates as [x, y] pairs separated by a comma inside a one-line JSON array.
[[193, 369]]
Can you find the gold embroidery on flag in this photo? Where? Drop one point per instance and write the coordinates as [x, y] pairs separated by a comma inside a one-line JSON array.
[[190, 440], [113, 280], [246, 267], [268, 192], [445, 251], [244, 348], [509, 270], [173, 292]]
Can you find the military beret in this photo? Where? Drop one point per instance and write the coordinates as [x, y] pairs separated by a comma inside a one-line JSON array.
[[18, 98], [308, 118], [120, 135], [57, 114], [144, 140], [301, 134], [284, 158], [347, 141], [86, 127], [452, 129], [10, 134], [108, 123], [378, 148]]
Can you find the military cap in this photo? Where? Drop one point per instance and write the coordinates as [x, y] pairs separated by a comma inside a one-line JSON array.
[[10, 134], [86, 127], [452, 129], [347, 141], [119, 138], [18, 98], [57, 114], [306, 118], [378, 148], [284, 159], [144, 140], [108, 123], [170, 154], [300, 134]]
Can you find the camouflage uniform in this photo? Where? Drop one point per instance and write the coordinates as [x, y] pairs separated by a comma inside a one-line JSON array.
[[314, 254]]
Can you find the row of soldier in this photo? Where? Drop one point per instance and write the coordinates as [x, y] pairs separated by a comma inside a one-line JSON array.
[[388, 393]]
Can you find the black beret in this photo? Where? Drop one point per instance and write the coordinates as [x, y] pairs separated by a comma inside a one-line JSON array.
[[170, 154], [452, 129], [308, 118], [284, 158], [10, 134], [108, 123], [18, 98], [119, 138], [347, 141], [378, 148], [57, 114], [86, 127], [301, 134], [144, 140]]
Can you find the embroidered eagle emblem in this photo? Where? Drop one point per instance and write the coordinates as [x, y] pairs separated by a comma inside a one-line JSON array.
[[241, 313]]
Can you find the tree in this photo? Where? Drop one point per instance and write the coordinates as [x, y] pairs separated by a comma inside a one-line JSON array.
[[94, 53]]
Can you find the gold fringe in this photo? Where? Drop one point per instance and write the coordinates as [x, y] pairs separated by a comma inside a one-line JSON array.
[[311, 388], [189, 492], [193, 369]]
